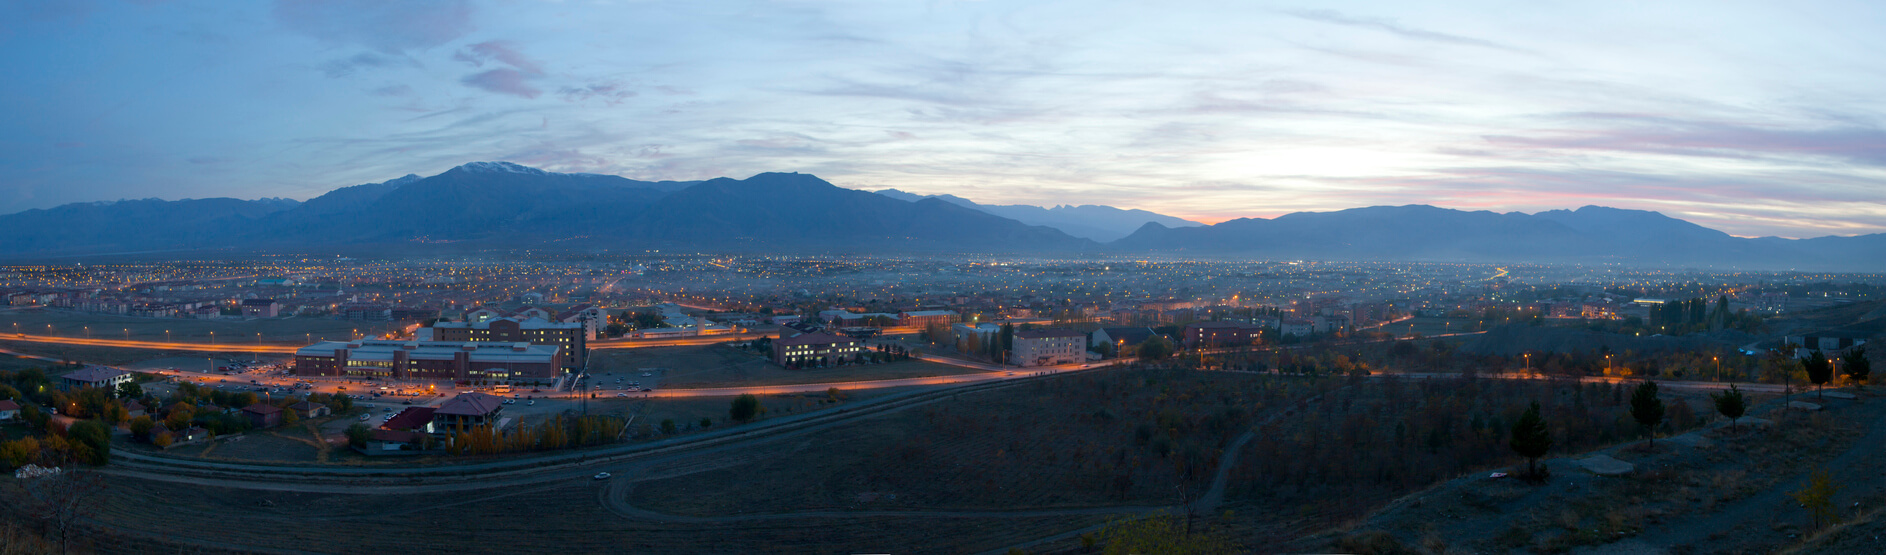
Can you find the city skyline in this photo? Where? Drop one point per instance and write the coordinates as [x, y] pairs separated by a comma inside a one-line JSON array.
[[1749, 119]]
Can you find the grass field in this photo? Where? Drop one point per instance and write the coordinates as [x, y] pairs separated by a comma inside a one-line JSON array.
[[711, 366], [295, 331]]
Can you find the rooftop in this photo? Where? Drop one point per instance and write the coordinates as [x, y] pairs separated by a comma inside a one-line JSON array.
[[94, 374], [471, 404]]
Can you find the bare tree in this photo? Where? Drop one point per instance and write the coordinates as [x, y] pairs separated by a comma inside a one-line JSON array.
[[61, 500]]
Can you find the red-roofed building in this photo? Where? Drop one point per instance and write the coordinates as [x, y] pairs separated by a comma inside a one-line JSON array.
[[9, 410], [263, 416], [411, 419]]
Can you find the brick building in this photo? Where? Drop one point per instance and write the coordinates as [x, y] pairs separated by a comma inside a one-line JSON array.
[[572, 338], [429, 360]]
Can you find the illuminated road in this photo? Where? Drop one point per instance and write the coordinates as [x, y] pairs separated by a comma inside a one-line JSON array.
[[290, 349], [156, 345], [674, 342], [1007, 373]]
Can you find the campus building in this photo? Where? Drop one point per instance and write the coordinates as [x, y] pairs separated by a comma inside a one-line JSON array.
[[1221, 334], [924, 318], [261, 308], [94, 376], [814, 349], [1048, 347], [429, 360], [571, 338]]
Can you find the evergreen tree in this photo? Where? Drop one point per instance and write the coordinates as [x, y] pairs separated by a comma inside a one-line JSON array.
[[1647, 409], [1819, 369], [1531, 439], [1858, 367], [1731, 404]]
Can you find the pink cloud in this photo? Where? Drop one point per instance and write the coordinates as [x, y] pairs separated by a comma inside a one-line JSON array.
[[505, 81], [504, 52]]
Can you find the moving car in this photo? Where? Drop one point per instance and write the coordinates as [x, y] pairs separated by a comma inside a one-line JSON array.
[[602, 475]]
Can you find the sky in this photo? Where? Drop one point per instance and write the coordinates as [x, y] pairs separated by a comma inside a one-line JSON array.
[[1755, 118]]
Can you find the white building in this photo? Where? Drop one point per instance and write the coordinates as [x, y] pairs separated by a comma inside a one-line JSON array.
[[1048, 347]]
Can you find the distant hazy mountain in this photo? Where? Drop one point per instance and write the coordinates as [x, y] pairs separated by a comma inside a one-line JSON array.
[[1100, 223], [503, 205], [798, 212], [499, 204], [1592, 234], [132, 225]]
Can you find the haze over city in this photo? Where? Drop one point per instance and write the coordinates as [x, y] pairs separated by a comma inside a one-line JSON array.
[[1755, 119]]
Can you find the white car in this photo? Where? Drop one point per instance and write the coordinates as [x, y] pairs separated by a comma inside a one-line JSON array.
[[364, 417], [602, 475]]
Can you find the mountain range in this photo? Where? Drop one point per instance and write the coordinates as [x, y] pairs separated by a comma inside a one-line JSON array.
[[502, 205], [1088, 221]]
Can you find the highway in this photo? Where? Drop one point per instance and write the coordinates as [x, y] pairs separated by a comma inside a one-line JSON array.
[[153, 345]]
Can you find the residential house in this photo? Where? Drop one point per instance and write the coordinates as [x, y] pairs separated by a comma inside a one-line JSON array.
[[262, 416]]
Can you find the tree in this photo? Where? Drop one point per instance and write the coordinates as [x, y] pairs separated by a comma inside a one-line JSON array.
[[95, 436], [179, 417], [1531, 439], [141, 428], [1731, 404], [358, 434], [745, 407], [130, 390], [1819, 369], [1858, 367], [1647, 409], [1155, 348], [1818, 496], [668, 426]]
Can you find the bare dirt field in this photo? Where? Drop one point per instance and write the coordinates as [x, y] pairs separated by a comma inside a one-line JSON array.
[[712, 366]]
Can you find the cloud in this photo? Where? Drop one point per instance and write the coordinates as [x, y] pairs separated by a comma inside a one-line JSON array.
[[1657, 135], [503, 51], [387, 27], [504, 81], [512, 80], [609, 93], [1391, 26], [346, 66], [393, 90]]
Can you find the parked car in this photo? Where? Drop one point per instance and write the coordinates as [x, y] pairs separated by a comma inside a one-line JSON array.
[[602, 475]]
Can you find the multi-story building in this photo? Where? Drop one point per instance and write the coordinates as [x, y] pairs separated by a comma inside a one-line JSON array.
[[1048, 347], [815, 349], [429, 360], [590, 316], [1221, 334], [571, 337], [260, 308], [923, 318], [95, 376]]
